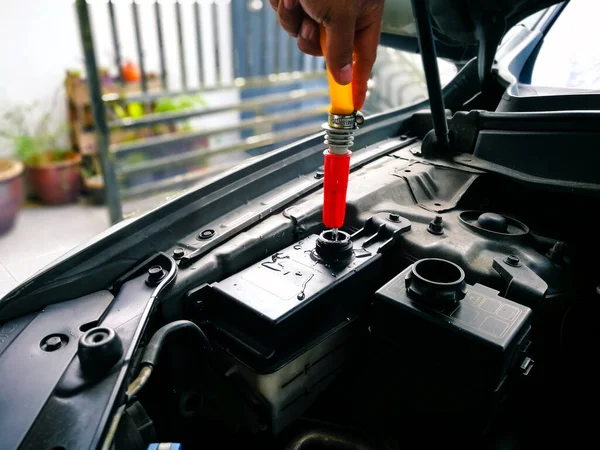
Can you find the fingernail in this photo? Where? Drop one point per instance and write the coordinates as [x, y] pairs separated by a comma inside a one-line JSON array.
[[289, 4], [346, 74], [294, 35]]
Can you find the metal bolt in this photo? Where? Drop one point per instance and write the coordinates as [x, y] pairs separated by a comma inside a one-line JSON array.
[[320, 174], [393, 217], [436, 226], [51, 343], [513, 260], [178, 253], [403, 137], [155, 274], [206, 234]]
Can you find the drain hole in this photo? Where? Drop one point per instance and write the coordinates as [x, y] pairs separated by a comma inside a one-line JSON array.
[[190, 404]]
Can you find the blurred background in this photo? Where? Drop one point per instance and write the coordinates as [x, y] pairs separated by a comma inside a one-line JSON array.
[[111, 108]]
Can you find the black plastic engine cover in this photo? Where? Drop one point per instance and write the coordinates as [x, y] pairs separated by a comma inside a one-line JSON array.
[[475, 341], [272, 311]]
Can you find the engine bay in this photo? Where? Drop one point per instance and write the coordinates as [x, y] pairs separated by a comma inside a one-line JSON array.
[[453, 308], [456, 307], [438, 307]]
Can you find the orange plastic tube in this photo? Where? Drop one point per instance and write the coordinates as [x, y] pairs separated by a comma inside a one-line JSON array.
[[335, 187], [341, 96], [337, 166]]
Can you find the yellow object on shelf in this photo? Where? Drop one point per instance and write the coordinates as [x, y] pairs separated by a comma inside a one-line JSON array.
[[341, 95]]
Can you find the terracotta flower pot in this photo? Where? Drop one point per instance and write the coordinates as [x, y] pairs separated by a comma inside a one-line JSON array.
[[56, 183], [12, 192]]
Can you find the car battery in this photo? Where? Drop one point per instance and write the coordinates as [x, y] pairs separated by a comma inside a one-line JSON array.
[[287, 325]]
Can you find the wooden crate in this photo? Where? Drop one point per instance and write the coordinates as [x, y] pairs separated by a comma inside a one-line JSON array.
[[85, 141], [81, 119], [78, 91]]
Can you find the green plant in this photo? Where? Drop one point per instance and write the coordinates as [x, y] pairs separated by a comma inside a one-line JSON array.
[[178, 104], [131, 110], [36, 142], [87, 172], [134, 158], [181, 103], [164, 105], [75, 73]]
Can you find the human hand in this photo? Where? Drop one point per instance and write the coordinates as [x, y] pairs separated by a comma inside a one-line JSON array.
[[352, 27]]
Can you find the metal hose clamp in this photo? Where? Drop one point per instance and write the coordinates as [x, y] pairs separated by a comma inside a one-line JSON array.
[[339, 130]]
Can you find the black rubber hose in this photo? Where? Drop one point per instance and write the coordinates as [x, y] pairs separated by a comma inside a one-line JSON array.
[[152, 351]]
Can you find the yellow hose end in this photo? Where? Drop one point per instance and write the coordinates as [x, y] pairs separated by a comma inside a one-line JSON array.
[[342, 102]]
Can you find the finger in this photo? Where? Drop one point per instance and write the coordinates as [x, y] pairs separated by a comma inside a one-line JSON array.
[[366, 42], [339, 48], [308, 40], [290, 16], [274, 4]]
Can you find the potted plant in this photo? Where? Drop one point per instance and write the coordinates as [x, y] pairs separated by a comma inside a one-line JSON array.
[[12, 192], [52, 169]]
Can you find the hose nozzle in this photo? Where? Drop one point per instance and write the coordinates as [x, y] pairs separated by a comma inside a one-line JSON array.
[[339, 137], [339, 131]]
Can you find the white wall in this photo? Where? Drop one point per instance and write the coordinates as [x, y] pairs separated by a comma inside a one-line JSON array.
[[39, 41]]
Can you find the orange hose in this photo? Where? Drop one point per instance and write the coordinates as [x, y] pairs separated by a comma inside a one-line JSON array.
[[341, 96]]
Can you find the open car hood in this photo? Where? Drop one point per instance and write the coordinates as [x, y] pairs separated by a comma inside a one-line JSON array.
[[463, 28]]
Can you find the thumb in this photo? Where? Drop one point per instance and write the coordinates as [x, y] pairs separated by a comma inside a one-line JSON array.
[[338, 45]]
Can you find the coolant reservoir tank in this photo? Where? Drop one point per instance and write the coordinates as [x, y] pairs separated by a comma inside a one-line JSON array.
[[447, 326], [296, 310]]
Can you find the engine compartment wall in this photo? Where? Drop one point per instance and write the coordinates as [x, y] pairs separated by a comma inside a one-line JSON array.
[[385, 186]]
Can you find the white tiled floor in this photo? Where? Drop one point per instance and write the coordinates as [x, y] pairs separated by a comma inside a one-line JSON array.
[[42, 234]]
